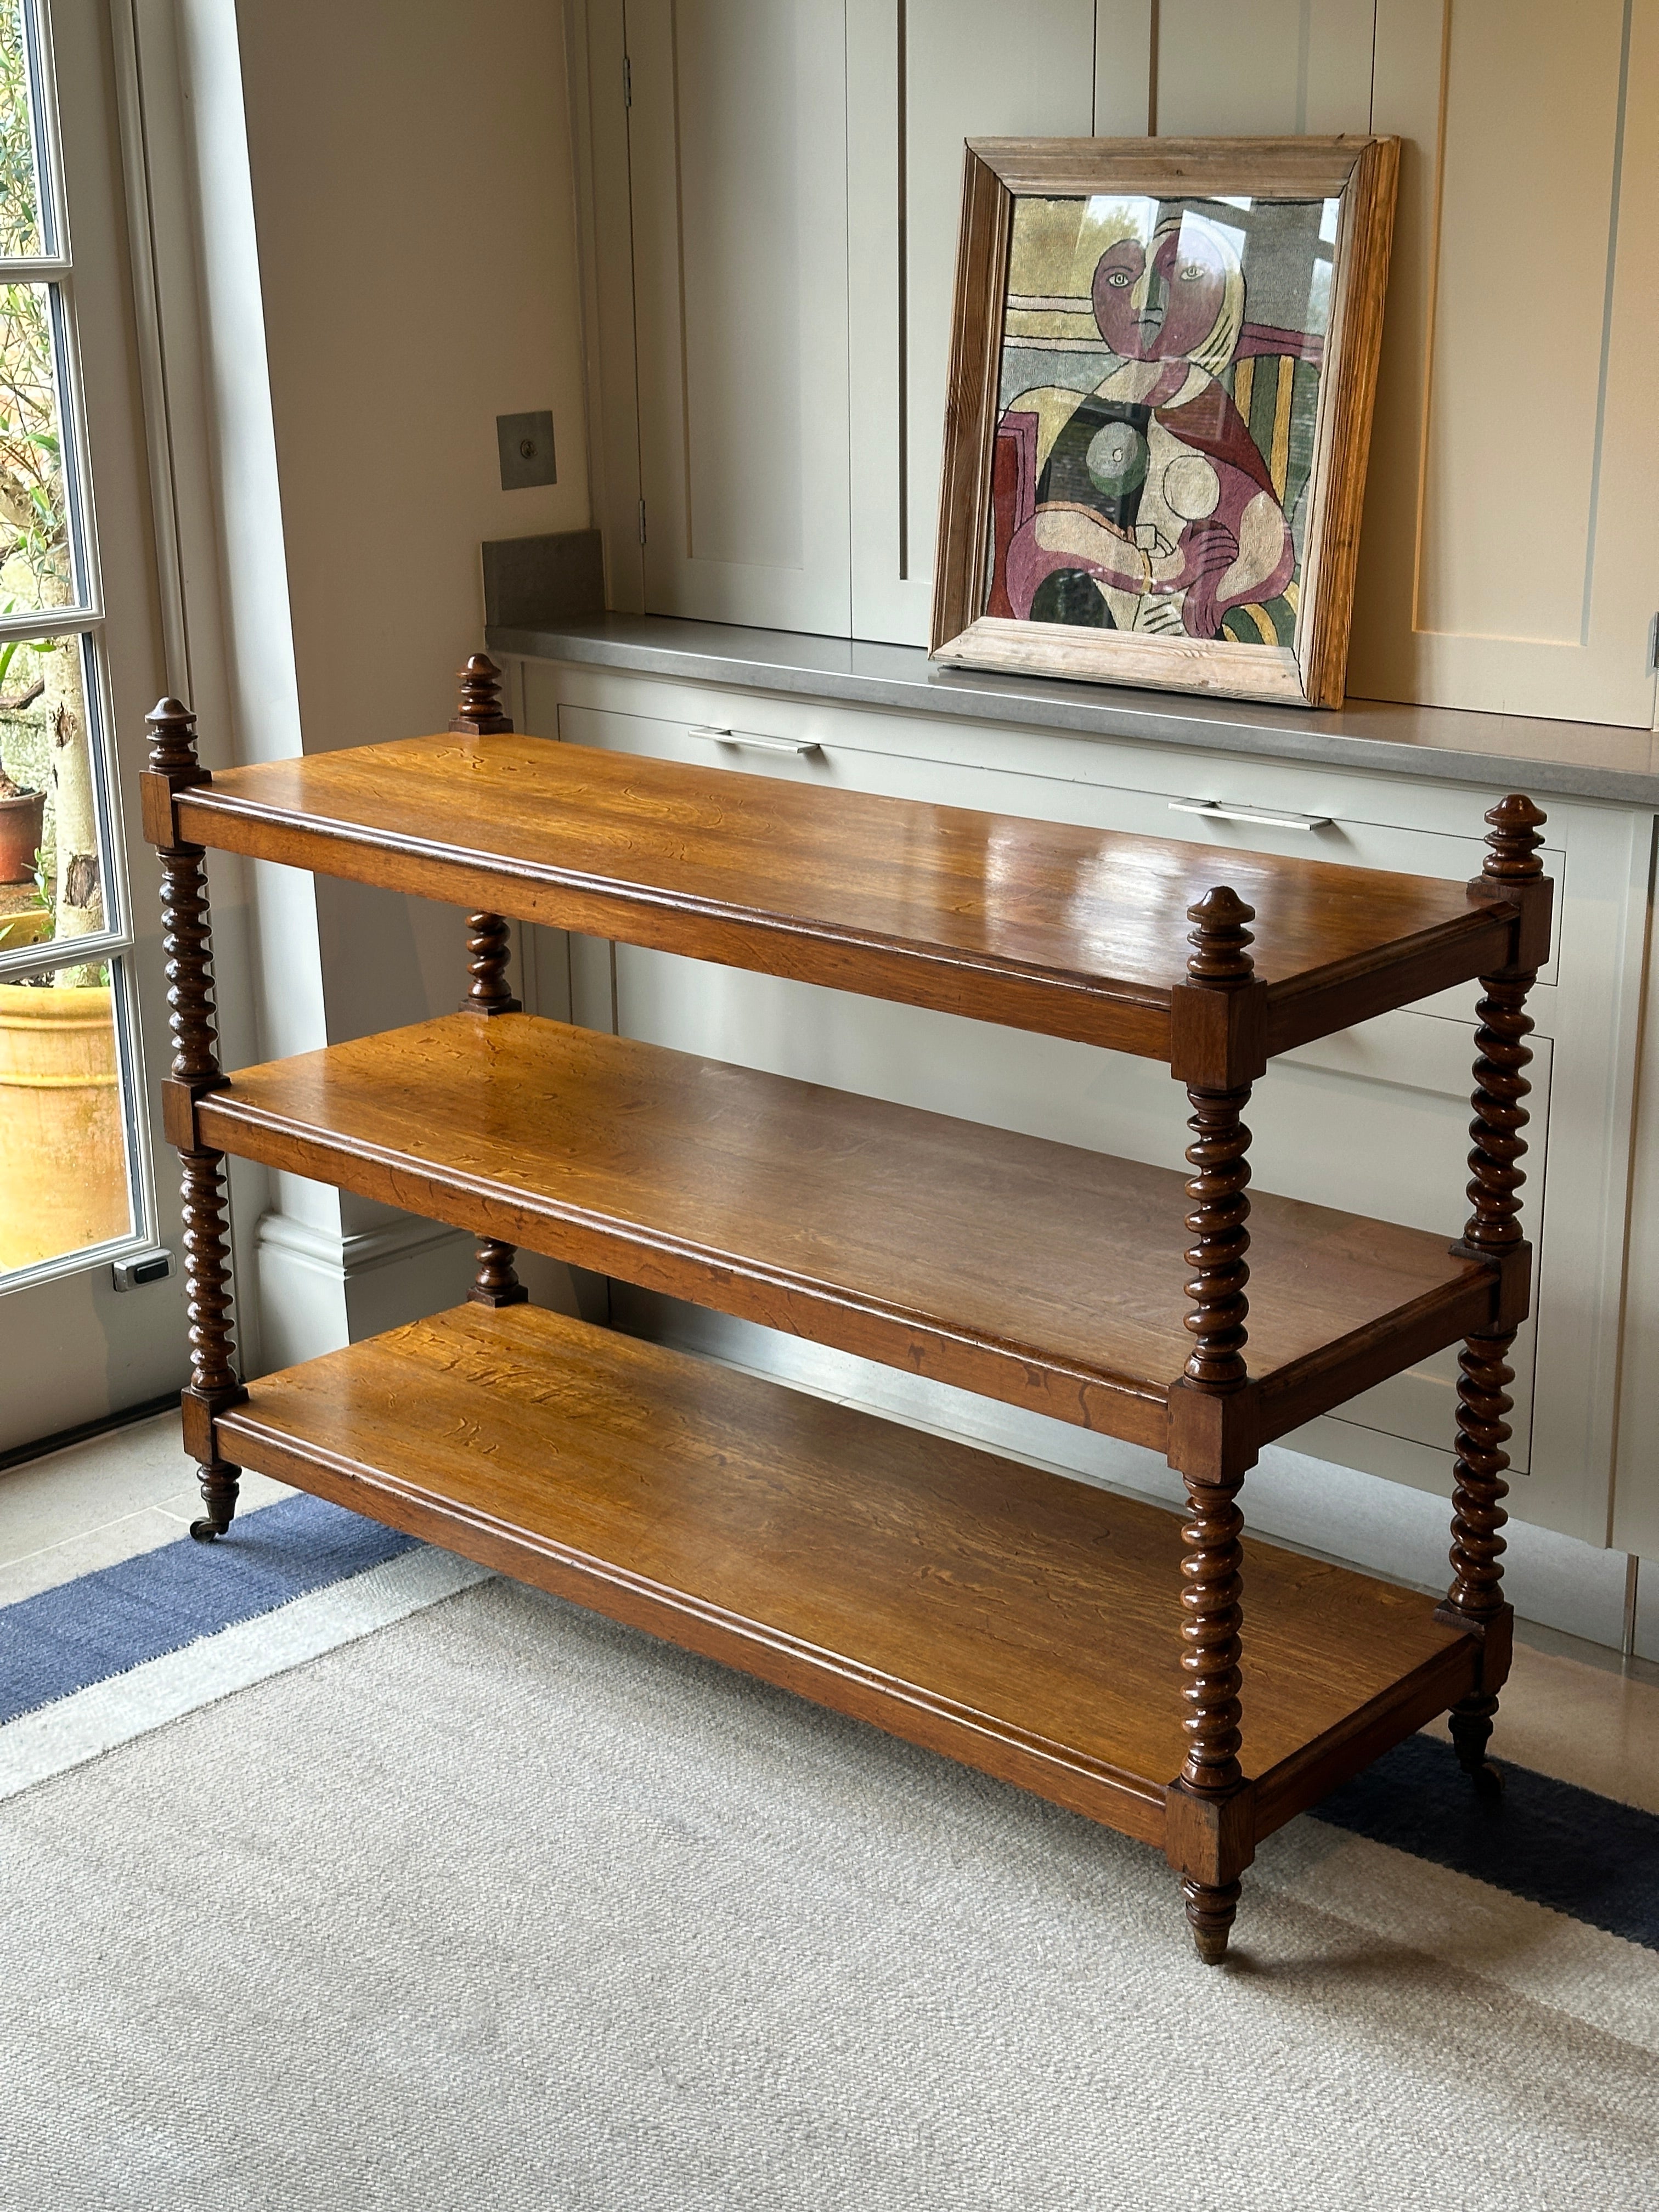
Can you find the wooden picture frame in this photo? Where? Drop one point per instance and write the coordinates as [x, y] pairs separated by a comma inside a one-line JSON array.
[[1250, 595]]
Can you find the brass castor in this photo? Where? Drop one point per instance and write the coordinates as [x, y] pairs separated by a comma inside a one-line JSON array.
[[219, 1491]]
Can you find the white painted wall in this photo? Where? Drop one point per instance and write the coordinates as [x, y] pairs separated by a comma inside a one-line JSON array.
[[384, 260], [411, 195]]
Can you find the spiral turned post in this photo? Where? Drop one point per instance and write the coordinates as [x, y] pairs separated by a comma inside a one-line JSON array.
[[1498, 1144], [187, 945], [478, 714], [1218, 1192], [488, 951]]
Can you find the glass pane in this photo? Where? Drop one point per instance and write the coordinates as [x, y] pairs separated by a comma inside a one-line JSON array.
[[64, 1180], [1160, 382], [20, 167], [35, 569], [51, 872]]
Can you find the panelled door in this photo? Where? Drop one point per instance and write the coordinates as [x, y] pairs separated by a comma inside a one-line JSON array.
[[794, 171], [923, 77], [736, 137], [82, 996]]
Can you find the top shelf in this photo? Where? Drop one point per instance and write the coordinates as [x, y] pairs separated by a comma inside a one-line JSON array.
[[1074, 933]]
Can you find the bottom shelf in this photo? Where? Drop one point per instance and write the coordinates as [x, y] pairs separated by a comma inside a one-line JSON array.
[[1023, 1623]]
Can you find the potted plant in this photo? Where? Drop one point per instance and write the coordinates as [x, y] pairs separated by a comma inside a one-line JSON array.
[[22, 818], [63, 1153], [23, 810]]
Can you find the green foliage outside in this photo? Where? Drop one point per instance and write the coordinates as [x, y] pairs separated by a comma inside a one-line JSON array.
[[43, 734], [19, 199], [34, 519]]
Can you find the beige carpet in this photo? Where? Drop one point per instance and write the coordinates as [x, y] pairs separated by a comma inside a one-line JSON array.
[[504, 1907]]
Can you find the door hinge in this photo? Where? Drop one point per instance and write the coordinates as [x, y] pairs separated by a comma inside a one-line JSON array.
[[628, 82], [1653, 647], [641, 522]]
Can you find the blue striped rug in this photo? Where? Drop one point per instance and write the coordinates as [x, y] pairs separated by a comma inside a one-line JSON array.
[[103, 1624], [100, 1660], [94, 1662]]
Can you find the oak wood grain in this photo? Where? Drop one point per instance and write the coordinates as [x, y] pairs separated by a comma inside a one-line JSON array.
[[1276, 168], [964, 492], [1040, 1273], [1019, 1621], [1337, 491], [1076, 933], [1223, 669]]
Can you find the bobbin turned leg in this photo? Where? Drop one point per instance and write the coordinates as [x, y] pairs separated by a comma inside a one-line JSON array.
[[1475, 1599], [1209, 1811], [213, 1384], [1478, 1516], [479, 715]]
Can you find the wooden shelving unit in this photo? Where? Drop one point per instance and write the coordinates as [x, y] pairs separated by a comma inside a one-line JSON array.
[[1096, 1650]]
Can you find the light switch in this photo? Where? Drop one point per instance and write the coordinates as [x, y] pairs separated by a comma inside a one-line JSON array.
[[526, 446]]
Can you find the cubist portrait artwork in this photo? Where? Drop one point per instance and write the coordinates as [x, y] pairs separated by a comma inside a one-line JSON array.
[[1159, 383]]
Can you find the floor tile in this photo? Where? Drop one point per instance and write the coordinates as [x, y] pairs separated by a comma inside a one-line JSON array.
[[46, 1501], [84, 1554], [95, 1503], [1581, 1724]]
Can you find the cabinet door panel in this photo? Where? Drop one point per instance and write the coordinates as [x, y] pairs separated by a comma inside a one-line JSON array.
[[1508, 561], [922, 77], [738, 161], [1267, 69]]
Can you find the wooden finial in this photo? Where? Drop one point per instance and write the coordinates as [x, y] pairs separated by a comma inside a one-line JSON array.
[[1513, 840], [1220, 955], [172, 729], [480, 708]]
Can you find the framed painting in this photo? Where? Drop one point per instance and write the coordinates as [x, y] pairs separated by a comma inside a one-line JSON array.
[[1162, 363]]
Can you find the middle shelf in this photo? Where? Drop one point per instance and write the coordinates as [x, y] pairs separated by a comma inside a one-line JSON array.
[[1040, 1273]]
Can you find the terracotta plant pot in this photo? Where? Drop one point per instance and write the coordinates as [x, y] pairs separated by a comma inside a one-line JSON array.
[[62, 1157], [20, 821]]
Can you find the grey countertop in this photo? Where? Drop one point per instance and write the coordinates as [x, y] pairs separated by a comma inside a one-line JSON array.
[[1580, 760]]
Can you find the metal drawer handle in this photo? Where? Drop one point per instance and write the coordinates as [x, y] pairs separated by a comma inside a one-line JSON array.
[[1216, 812], [754, 741]]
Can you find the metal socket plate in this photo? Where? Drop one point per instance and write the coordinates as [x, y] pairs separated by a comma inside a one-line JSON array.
[[526, 449]]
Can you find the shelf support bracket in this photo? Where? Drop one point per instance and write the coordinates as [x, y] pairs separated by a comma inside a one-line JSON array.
[[187, 944], [1209, 1820], [1474, 1602]]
